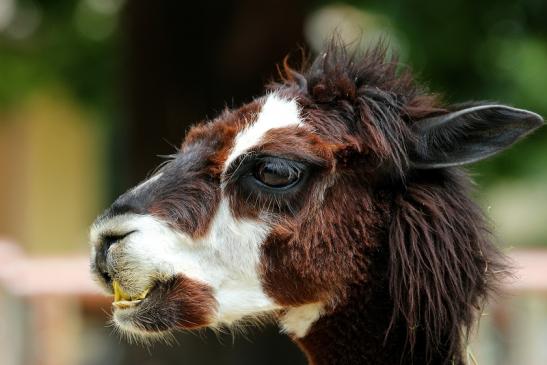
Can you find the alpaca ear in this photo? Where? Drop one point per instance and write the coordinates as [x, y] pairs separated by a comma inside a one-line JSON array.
[[469, 135]]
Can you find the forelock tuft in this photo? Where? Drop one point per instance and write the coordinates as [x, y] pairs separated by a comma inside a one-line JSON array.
[[373, 94]]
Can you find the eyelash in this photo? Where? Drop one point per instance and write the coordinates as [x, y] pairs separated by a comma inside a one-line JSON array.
[[277, 169], [241, 184], [245, 168]]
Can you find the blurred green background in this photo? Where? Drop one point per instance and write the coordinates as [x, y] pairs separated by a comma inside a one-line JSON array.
[[92, 91], [81, 51]]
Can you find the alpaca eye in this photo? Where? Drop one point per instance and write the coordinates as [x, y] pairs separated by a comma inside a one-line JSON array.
[[277, 174]]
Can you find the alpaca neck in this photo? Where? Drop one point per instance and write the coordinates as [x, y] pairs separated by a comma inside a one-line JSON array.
[[355, 333]]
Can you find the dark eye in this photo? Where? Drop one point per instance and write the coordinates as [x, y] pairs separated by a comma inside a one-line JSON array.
[[277, 174]]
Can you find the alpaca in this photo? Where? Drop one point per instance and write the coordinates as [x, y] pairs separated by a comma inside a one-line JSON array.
[[335, 203]]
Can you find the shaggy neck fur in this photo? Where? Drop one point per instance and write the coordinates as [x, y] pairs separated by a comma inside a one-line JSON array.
[[354, 332], [422, 287], [358, 332]]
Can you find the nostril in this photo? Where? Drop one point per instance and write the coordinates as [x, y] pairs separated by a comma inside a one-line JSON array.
[[106, 276], [107, 241]]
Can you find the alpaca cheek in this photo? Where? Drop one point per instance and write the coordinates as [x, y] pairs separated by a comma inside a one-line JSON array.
[[295, 273], [290, 286], [230, 259]]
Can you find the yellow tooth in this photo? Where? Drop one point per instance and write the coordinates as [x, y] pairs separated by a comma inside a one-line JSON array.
[[117, 291], [119, 294], [122, 297]]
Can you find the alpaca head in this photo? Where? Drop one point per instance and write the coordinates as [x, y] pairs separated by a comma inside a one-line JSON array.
[[339, 176]]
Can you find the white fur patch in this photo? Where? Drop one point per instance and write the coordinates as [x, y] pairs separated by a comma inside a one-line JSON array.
[[276, 113], [297, 321], [226, 259], [233, 246]]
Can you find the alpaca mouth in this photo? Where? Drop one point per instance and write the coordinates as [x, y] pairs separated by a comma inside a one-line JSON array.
[[146, 313], [122, 300], [177, 302]]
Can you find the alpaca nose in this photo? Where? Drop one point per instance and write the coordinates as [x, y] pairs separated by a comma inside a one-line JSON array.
[[102, 254]]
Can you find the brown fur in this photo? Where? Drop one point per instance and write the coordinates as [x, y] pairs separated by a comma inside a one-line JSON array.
[[402, 258], [179, 302]]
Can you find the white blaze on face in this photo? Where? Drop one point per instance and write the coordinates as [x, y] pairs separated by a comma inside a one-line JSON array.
[[276, 113]]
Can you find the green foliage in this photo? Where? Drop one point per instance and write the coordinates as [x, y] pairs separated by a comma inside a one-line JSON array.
[[64, 44]]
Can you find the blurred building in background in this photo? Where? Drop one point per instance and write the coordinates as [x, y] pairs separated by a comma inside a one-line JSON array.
[[93, 91]]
